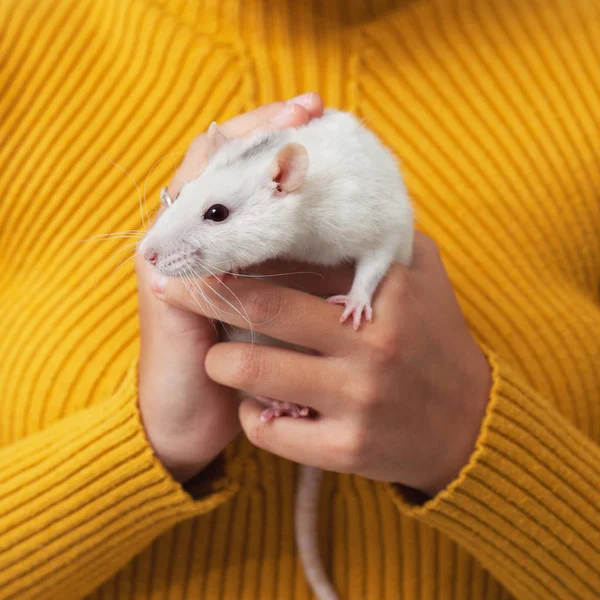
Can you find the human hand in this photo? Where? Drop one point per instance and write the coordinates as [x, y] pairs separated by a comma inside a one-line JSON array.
[[401, 400], [189, 418], [278, 115]]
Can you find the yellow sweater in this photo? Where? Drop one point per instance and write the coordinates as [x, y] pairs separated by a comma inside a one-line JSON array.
[[494, 109]]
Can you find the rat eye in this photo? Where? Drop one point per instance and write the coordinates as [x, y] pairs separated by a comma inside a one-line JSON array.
[[217, 212]]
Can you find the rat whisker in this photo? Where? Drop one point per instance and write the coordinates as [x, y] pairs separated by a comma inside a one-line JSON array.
[[189, 286], [208, 266], [137, 187], [137, 231], [193, 286], [114, 255], [279, 274], [115, 235], [123, 263], [244, 315], [126, 248]]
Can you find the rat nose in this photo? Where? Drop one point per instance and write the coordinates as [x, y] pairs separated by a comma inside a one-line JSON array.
[[151, 256]]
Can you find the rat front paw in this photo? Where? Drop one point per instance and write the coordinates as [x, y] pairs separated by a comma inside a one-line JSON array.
[[355, 307], [278, 408]]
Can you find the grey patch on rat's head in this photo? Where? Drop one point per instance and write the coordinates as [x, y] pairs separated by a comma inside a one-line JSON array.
[[262, 145]]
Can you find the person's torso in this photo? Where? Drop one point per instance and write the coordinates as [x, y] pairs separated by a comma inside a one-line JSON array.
[[492, 110]]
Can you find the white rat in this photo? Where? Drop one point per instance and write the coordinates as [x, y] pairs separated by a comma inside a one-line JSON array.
[[325, 193]]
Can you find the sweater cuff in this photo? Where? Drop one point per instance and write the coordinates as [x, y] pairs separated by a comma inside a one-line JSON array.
[[85, 495], [204, 492], [527, 503]]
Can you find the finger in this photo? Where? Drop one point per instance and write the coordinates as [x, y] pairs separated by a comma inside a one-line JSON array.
[[277, 115], [277, 373], [166, 321], [305, 441], [312, 279], [292, 115], [283, 313], [289, 115], [163, 321], [310, 103]]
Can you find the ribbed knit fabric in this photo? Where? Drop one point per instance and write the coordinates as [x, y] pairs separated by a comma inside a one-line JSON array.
[[494, 110]]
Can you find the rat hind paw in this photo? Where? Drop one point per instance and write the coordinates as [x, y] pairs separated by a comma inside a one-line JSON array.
[[278, 408], [354, 307]]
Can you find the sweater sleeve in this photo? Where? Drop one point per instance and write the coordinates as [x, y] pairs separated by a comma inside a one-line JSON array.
[[527, 505], [81, 498]]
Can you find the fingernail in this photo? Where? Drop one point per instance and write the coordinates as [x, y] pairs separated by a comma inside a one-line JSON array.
[[158, 283], [304, 99], [285, 112]]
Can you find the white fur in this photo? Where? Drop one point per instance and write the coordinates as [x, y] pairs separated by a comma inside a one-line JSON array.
[[352, 202], [352, 205]]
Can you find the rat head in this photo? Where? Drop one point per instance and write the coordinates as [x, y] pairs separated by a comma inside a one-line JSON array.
[[238, 213]]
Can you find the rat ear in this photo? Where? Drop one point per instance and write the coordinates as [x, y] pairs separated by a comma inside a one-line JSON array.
[[289, 167], [216, 139]]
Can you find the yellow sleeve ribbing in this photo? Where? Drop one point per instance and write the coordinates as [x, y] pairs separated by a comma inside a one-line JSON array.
[[527, 505], [81, 498]]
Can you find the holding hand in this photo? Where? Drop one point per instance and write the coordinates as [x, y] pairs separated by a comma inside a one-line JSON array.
[[190, 418], [400, 400]]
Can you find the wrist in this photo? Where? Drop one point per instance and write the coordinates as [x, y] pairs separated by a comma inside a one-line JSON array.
[[181, 464], [182, 471], [471, 409]]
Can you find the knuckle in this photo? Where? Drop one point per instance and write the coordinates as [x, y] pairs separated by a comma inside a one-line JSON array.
[[262, 305], [383, 344], [266, 112], [249, 367]]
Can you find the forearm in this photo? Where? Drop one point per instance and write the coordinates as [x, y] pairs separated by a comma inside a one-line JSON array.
[[80, 499], [527, 505]]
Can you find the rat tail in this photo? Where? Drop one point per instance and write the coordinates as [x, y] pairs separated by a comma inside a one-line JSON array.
[[307, 538]]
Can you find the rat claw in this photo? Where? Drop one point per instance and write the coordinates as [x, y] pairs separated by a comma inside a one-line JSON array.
[[341, 300], [354, 308], [267, 414], [280, 408]]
